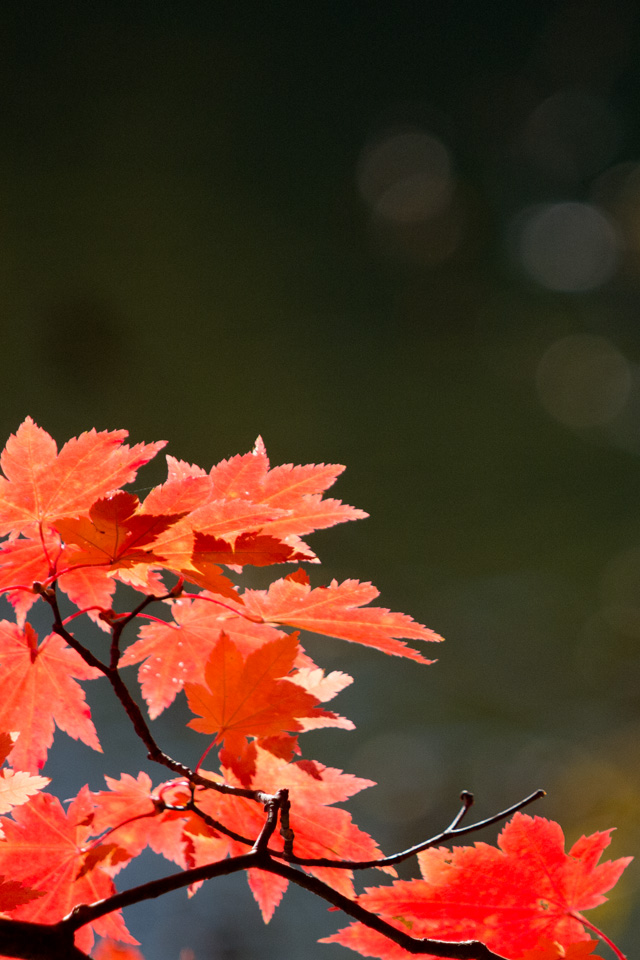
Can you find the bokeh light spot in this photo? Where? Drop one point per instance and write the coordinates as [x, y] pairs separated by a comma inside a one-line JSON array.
[[569, 247], [406, 176], [583, 381]]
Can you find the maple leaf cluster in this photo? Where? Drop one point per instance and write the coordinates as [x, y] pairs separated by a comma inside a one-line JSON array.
[[71, 528]]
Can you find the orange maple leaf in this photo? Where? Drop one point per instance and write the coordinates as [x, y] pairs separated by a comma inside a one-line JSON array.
[[249, 697], [320, 829], [114, 534], [110, 950], [40, 484], [16, 786], [325, 687], [129, 812], [27, 560], [510, 897], [40, 689], [337, 611], [173, 652], [22, 562], [30, 559], [43, 849], [294, 493], [243, 496], [548, 950], [296, 489]]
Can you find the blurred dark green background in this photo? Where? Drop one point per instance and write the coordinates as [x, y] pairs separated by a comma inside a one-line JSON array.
[[404, 237]]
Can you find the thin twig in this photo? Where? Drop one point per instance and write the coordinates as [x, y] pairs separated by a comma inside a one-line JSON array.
[[446, 835], [287, 833], [22, 939], [210, 822], [468, 800]]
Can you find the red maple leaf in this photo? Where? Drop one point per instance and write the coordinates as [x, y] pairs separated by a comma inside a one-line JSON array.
[[13, 894], [320, 829], [35, 559], [173, 652], [43, 849], [249, 697], [337, 611], [40, 689], [129, 812], [40, 484], [242, 496], [510, 897], [294, 490], [91, 590], [7, 742], [90, 586], [22, 562], [228, 518], [114, 534], [110, 950], [258, 550]]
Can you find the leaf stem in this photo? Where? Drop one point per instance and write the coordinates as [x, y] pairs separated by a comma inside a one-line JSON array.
[[238, 613], [619, 954]]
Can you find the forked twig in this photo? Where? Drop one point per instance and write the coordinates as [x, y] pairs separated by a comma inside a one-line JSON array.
[[448, 834], [111, 672], [36, 941]]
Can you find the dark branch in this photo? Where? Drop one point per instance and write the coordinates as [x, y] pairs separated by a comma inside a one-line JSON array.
[[287, 833], [468, 950], [260, 857], [131, 707], [38, 941], [117, 626], [216, 825], [272, 807], [54, 942], [84, 914]]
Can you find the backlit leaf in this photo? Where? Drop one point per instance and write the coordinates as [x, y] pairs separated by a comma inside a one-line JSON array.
[[40, 484], [40, 689]]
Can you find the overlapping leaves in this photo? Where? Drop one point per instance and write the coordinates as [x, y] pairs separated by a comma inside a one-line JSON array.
[[43, 850], [251, 688]]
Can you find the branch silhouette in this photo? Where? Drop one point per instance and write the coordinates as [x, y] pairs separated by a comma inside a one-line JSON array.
[[71, 528]]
